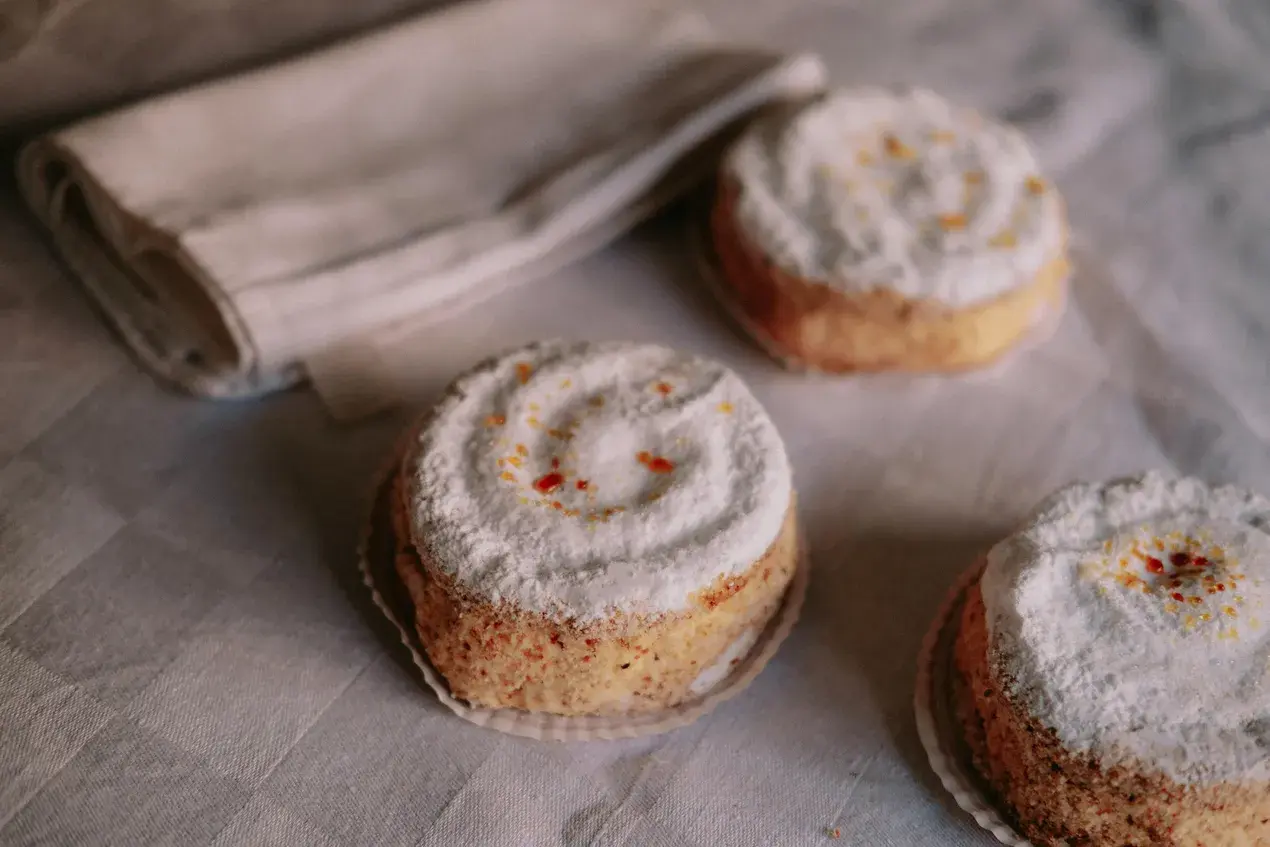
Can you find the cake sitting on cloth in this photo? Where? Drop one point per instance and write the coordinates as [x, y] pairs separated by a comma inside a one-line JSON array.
[[236, 231]]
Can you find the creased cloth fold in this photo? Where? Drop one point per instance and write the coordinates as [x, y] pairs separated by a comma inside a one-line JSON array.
[[235, 231]]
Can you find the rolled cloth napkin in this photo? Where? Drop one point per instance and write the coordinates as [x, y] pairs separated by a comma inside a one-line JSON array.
[[237, 231]]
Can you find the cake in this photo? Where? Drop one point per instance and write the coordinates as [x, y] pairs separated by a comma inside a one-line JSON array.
[[594, 529], [873, 230], [1113, 667]]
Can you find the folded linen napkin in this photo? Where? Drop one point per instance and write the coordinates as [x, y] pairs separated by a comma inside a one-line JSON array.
[[235, 231]]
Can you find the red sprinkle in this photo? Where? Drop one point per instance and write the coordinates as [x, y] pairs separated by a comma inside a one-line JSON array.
[[1154, 565], [1180, 560], [656, 464], [555, 463], [1201, 562], [548, 482], [582, 485], [1177, 596], [664, 388]]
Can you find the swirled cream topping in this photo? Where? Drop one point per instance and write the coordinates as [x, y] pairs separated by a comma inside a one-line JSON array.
[[580, 480], [1132, 618], [872, 189]]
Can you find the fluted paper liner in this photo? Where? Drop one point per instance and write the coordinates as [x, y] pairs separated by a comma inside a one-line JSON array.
[[376, 557], [937, 721], [701, 246]]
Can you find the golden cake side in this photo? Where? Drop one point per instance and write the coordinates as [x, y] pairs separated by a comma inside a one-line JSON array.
[[829, 330], [500, 657]]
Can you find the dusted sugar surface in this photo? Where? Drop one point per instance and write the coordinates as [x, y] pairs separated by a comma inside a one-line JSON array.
[[1130, 617], [873, 189], [584, 480]]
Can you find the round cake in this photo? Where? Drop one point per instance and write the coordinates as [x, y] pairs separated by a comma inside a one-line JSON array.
[[874, 230], [594, 528], [1113, 667]]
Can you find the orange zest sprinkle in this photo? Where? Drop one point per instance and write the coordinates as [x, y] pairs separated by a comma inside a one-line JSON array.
[[896, 148], [1004, 238], [725, 407], [495, 420], [548, 483], [523, 371], [1035, 184], [656, 464], [952, 221], [522, 449]]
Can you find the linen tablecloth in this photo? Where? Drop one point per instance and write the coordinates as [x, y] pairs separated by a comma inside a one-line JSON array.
[[186, 656]]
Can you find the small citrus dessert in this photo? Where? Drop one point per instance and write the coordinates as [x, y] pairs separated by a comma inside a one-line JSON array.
[[594, 528], [1113, 667], [875, 230]]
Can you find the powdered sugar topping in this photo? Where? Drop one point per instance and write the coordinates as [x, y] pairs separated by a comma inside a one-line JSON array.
[[1131, 617], [870, 189], [580, 480]]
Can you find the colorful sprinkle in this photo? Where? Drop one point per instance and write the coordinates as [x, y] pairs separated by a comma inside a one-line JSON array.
[[656, 464], [548, 483], [1003, 240], [896, 148]]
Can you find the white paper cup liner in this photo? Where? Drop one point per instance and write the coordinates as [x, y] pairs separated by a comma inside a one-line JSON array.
[[937, 722], [376, 556], [701, 246]]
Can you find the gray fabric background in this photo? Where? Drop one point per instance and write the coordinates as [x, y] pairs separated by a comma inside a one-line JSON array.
[[185, 655]]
